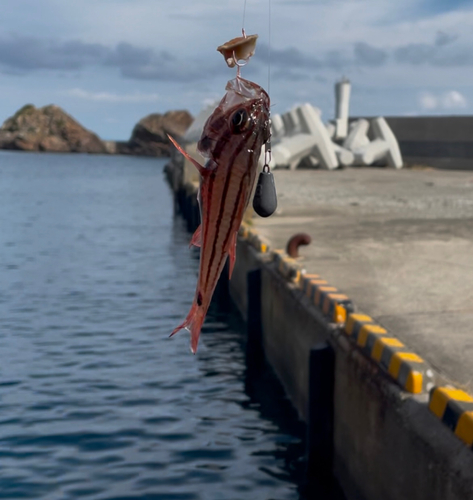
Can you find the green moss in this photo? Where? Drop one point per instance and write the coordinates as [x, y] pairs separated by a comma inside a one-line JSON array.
[[26, 109]]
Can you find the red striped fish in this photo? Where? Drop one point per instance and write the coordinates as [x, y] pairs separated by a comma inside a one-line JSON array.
[[231, 142]]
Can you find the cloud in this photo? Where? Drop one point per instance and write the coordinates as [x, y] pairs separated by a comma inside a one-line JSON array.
[[292, 61], [125, 55], [20, 54], [449, 100], [428, 101], [441, 52], [290, 58], [454, 100], [415, 53], [111, 97], [29, 53], [289, 75], [368, 55], [26, 54], [442, 38]]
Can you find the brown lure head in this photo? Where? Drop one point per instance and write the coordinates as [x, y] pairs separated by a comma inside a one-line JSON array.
[[241, 117], [238, 49]]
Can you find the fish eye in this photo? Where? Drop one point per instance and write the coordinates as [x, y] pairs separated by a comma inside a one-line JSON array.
[[240, 121]]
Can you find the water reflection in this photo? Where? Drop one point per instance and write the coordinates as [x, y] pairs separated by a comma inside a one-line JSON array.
[[96, 401]]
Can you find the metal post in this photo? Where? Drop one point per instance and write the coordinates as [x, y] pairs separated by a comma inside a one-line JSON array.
[[320, 414]]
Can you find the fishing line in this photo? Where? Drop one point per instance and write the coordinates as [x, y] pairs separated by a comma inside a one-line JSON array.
[[243, 22], [265, 200], [269, 47]]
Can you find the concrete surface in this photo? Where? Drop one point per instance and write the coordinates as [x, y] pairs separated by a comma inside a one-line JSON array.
[[398, 243]]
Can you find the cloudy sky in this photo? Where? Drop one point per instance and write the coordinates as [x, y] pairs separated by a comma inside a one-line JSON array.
[[110, 62]]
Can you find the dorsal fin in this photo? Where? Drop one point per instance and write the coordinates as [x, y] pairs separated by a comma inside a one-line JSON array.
[[202, 170]]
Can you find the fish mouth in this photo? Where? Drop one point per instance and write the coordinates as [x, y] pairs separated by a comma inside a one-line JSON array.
[[241, 92]]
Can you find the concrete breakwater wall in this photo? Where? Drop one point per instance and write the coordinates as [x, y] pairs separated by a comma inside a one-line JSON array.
[[436, 141], [372, 427]]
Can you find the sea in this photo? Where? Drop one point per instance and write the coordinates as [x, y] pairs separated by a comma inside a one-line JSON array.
[[96, 401]]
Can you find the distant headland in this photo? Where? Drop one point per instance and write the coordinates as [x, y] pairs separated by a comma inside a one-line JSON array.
[[51, 129]]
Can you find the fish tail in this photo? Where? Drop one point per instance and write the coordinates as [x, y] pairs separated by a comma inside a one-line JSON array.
[[193, 323]]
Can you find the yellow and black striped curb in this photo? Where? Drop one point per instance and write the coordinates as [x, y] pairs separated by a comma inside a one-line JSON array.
[[253, 238], [454, 408], [407, 368], [328, 299], [287, 266]]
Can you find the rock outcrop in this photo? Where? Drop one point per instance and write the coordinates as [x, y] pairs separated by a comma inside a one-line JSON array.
[[149, 137], [47, 129]]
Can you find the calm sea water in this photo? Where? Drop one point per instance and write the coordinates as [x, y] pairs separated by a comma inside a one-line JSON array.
[[96, 402]]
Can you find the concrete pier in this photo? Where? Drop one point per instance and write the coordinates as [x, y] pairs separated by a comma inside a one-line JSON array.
[[387, 282], [399, 244]]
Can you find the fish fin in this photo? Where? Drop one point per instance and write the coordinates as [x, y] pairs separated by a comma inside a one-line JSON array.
[[196, 239], [202, 170], [232, 254], [193, 323]]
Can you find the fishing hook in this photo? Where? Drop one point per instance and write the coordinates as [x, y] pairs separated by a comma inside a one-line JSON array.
[[239, 64]]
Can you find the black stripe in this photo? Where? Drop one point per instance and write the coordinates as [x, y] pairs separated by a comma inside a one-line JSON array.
[[224, 256], [209, 195], [235, 207], [220, 213], [217, 151], [453, 411]]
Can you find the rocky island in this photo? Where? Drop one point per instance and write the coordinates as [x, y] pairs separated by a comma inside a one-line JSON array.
[[149, 136], [47, 129], [51, 129]]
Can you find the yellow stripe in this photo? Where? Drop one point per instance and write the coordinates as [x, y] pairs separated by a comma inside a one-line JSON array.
[[441, 395], [289, 261], [314, 282], [323, 289], [438, 401], [311, 276], [332, 297], [305, 281], [339, 314], [379, 345], [352, 319], [318, 282], [398, 358], [464, 428], [414, 382], [456, 394], [366, 330]]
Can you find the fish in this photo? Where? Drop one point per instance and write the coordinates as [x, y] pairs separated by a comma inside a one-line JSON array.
[[231, 142]]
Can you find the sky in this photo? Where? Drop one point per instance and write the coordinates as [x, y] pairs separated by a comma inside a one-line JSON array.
[[108, 63]]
